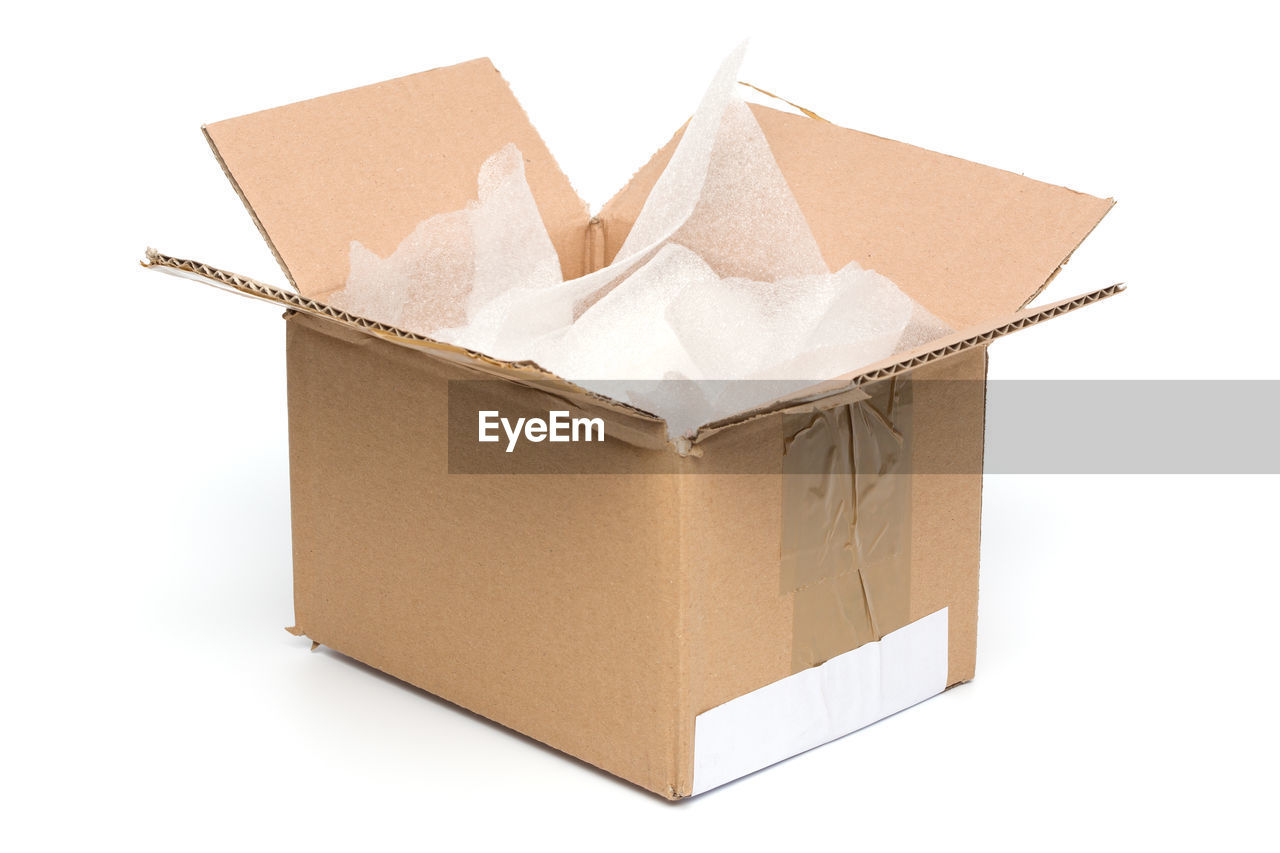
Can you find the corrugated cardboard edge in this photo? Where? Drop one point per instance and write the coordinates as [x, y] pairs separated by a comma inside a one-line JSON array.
[[1041, 289], [235, 185], [528, 371], [518, 371], [963, 341]]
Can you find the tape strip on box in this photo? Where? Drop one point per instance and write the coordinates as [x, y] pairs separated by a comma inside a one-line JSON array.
[[846, 522]]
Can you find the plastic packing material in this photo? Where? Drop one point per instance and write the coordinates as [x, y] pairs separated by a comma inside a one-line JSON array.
[[719, 279]]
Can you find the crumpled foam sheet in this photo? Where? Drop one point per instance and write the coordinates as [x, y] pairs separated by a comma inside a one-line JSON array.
[[720, 279]]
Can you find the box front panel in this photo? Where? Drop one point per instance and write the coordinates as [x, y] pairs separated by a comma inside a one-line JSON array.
[[546, 602]]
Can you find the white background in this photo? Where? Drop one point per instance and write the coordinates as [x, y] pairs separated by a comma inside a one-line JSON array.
[[1128, 643]]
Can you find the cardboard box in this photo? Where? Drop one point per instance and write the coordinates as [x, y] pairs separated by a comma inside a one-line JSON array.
[[678, 613]]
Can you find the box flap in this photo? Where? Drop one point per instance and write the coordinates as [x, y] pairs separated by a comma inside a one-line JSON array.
[[970, 242], [639, 431], [371, 163], [840, 389], [826, 393]]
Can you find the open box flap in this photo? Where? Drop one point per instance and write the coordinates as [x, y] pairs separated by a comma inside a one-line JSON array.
[[371, 163], [824, 394], [969, 242], [526, 372], [819, 395]]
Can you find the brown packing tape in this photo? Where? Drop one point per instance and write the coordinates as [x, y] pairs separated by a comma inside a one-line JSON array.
[[846, 522]]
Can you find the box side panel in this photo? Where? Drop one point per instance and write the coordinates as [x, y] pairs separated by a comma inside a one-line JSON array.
[[545, 602], [752, 616], [946, 500]]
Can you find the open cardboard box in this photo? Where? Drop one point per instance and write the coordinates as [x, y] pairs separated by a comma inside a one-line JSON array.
[[674, 612]]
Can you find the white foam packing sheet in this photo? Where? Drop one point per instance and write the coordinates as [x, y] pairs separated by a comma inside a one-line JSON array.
[[720, 278], [820, 704]]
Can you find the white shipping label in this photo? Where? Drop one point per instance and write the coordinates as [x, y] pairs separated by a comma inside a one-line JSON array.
[[820, 704]]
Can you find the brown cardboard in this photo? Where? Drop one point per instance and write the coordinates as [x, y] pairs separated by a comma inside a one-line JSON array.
[[969, 242], [470, 586], [601, 613], [566, 631], [371, 163]]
